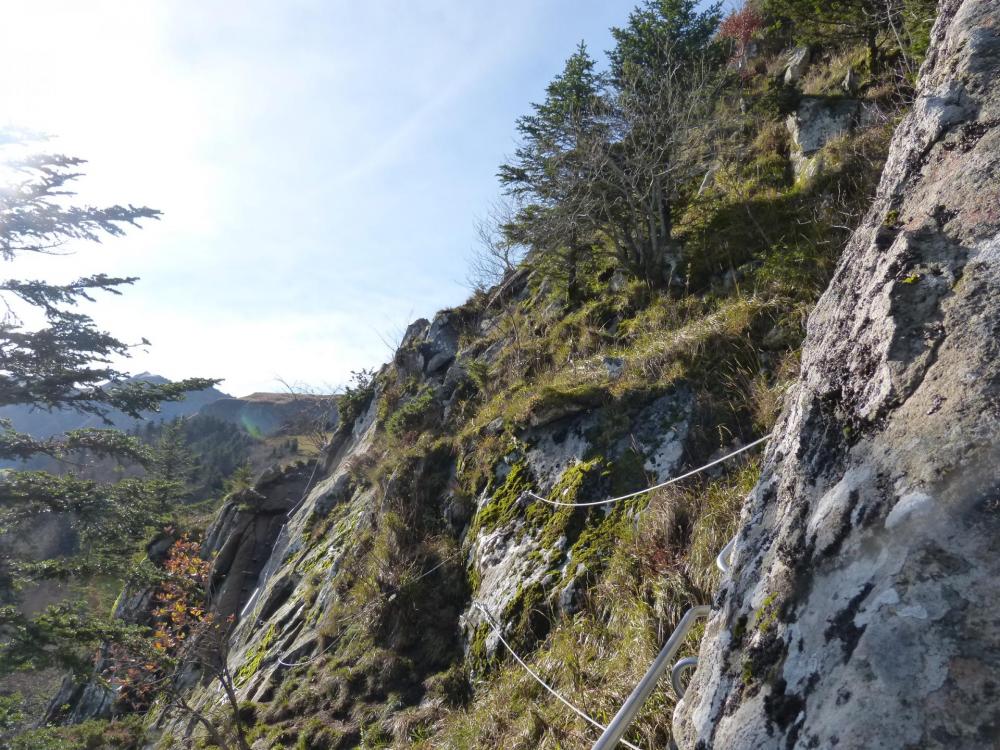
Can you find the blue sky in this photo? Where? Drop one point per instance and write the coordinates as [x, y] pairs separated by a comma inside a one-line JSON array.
[[320, 165]]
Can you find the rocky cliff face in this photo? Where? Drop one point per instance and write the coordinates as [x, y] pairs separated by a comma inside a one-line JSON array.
[[861, 608], [351, 562]]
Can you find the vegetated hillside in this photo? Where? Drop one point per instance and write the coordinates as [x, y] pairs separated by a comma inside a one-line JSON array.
[[204, 452], [357, 592], [266, 414]]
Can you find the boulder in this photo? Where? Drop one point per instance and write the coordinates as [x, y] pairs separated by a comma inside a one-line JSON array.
[[440, 344], [817, 121]]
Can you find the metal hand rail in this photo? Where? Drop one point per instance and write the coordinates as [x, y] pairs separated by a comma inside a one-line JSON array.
[[620, 724], [725, 558]]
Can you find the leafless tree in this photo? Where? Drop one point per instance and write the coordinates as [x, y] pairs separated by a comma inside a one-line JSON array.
[[496, 255], [653, 142], [204, 654]]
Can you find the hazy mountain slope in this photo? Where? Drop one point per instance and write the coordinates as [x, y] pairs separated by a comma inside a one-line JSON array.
[[42, 423]]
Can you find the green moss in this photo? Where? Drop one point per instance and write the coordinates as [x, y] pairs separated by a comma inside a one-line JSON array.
[[566, 521], [527, 616], [558, 396], [767, 615], [478, 657], [254, 658], [746, 673], [502, 506], [598, 539], [475, 579], [628, 473]]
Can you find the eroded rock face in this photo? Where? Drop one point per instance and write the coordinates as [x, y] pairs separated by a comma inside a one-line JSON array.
[[862, 608], [816, 122], [240, 540]]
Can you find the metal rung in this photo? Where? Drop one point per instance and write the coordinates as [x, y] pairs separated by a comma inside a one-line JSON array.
[[725, 558], [626, 714], [686, 664]]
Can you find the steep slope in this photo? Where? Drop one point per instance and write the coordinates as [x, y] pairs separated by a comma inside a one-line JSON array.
[[862, 607]]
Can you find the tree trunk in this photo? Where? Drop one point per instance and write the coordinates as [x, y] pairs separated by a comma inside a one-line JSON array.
[[862, 607], [234, 705], [874, 58], [213, 734]]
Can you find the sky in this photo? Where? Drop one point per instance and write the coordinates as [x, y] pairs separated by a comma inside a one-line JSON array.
[[320, 164]]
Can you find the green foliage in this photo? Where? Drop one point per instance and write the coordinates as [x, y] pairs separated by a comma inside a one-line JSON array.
[[62, 635], [240, 480], [208, 450], [356, 397], [110, 520], [64, 361], [917, 21], [549, 174], [883, 26], [122, 734], [659, 32], [412, 416], [11, 712]]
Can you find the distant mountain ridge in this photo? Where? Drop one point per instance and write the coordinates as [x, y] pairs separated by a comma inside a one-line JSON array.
[[263, 414], [42, 423], [260, 414]]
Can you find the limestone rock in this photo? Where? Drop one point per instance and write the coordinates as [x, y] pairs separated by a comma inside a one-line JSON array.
[[862, 607], [798, 61], [441, 343], [850, 82], [817, 121]]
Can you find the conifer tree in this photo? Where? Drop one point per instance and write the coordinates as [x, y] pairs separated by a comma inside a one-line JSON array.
[[663, 71], [549, 172], [63, 360], [173, 464]]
